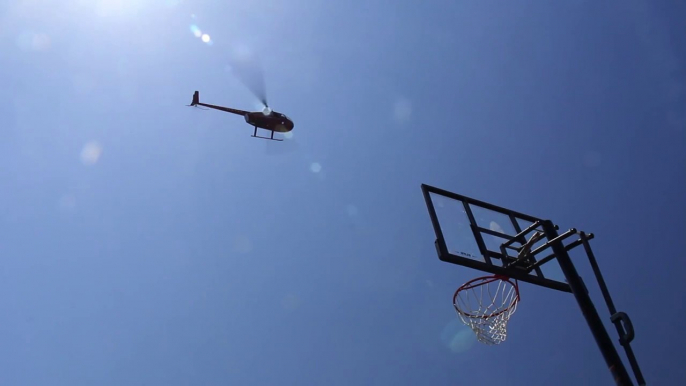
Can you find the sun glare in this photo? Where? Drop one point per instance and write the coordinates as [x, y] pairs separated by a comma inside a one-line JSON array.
[[107, 8]]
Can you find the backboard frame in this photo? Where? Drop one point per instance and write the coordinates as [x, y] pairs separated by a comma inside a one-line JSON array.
[[509, 270]]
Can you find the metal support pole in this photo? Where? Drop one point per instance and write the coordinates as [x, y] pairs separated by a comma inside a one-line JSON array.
[[607, 348], [625, 337]]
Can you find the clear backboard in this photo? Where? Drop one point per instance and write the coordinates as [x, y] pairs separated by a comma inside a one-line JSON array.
[[489, 238]]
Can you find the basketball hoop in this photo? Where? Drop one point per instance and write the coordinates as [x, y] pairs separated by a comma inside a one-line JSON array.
[[485, 304]]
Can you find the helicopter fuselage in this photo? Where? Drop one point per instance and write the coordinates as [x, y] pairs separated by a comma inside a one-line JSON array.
[[273, 121]]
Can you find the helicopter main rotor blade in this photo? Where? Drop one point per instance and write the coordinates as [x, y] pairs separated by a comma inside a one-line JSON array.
[[247, 68]]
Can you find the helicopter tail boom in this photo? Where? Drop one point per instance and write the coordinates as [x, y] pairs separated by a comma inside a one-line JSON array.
[[196, 102]]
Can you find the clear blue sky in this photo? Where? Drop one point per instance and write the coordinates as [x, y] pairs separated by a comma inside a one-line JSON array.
[[148, 243]]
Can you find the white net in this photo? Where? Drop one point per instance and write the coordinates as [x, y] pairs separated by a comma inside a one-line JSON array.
[[485, 305]]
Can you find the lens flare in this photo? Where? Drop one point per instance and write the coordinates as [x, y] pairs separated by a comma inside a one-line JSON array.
[[592, 159], [67, 202], [30, 41], [290, 302], [351, 210], [242, 244], [90, 154], [402, 110], [457, 337], [196, 31]]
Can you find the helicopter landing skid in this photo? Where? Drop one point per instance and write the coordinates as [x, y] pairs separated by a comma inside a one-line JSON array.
[[272, 137]]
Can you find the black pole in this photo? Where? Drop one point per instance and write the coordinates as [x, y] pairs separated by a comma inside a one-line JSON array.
[[625, 337], [607, 348]]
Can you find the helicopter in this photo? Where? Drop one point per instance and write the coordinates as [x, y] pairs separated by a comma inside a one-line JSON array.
[[268, 119]]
